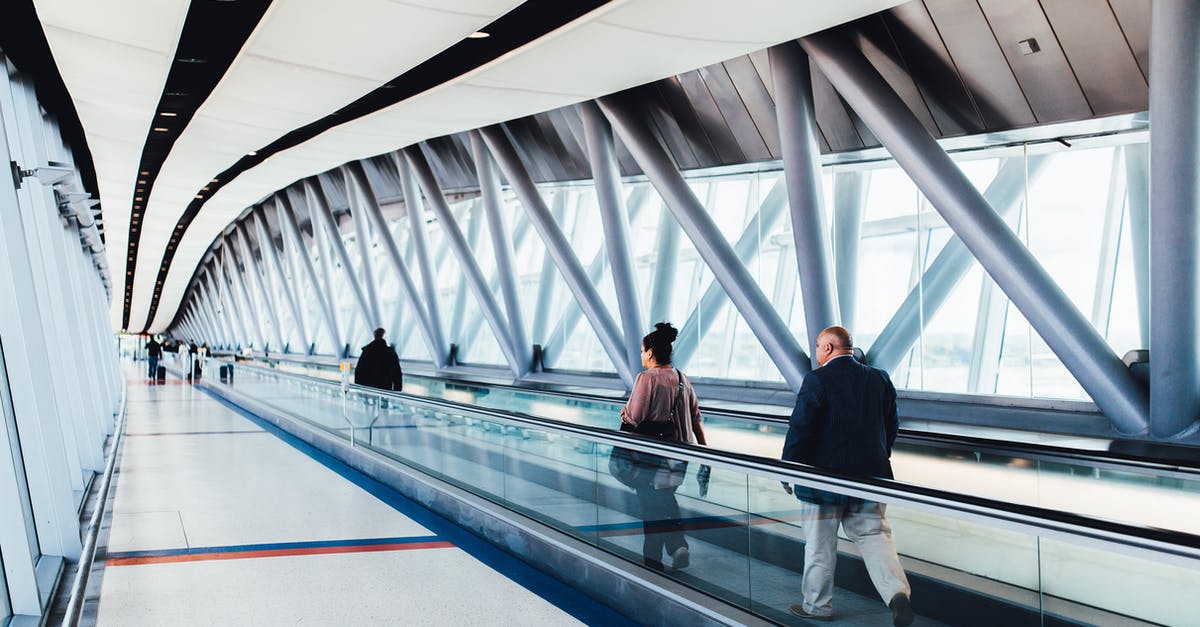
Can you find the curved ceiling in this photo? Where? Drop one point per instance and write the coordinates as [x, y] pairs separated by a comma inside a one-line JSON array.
[[308, 59]]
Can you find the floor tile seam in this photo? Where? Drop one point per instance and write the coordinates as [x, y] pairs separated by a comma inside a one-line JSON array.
[[511, 567], [189, 433], [310, 552]]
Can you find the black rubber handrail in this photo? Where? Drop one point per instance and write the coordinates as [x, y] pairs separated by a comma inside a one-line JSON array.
[[1179, 459]]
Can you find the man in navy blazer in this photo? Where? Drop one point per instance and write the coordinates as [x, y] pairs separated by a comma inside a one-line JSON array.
[[845, 420]]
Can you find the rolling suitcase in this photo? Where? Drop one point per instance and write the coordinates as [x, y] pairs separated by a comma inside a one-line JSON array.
[[161, 374], [226, 373]]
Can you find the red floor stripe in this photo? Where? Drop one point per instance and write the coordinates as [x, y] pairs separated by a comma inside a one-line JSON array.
[[237, 555]]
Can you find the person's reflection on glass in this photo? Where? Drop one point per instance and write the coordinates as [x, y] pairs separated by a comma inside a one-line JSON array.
[[845, 420], [663, 405]]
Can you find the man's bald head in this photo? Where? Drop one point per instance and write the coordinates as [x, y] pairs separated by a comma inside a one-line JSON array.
[[832, 342]]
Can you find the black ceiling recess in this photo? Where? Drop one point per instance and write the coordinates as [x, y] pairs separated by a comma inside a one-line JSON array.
[[524, 24], [213, 34], [23, 41]]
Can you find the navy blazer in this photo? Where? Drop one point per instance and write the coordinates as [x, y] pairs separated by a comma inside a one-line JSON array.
[[845, 419]]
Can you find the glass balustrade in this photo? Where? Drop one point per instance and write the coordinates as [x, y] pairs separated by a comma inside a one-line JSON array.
[[972, 562]]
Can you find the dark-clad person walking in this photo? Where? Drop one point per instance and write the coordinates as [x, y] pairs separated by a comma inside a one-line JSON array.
[[379, 366], [154, 352], [845, 420]]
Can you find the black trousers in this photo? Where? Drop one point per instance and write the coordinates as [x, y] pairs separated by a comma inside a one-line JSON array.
[[662, 524]]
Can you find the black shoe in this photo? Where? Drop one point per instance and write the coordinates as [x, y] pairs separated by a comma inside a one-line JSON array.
[[902, 614], [798, 610]]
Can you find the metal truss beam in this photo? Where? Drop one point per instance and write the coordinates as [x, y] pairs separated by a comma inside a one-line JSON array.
[[714, 300], [291, 229], [560, 250], [493, 208], [428, 309], [362, 233], [1011, 265], [1137, 195], [250, 310], [1005, 193], [251, 264], [462, 250], [763, 320], [266, 246], [360, 186], [319, 208]]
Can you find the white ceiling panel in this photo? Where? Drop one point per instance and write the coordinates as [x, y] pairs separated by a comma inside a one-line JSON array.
[[305, 60], [625, 44], [114, 57]]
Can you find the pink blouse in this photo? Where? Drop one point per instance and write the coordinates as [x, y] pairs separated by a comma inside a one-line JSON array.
[[651, 398]]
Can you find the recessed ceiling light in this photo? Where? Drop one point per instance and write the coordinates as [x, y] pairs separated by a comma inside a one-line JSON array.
[[177, 94], [191, 60], [479, 35], [145, 173], [199, 196], [252, 153], [161, 129], [168, 114], [214, 180], [138, 198]]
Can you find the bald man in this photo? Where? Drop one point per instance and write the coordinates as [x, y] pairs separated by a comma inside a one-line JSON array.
[[845, 420]]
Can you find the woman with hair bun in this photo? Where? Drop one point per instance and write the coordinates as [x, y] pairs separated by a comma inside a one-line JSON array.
[[664, 406]]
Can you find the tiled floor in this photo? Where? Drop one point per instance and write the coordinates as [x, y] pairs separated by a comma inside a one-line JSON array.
[[216, 521]]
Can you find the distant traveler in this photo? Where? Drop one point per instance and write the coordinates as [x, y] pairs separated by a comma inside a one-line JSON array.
[[154, 351], [379, 366], [663, 405], [194, 362], [845, 420]]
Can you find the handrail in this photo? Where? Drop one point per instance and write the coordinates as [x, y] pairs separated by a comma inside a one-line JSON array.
[[1030, 450], [1028, 518], [87, 555]]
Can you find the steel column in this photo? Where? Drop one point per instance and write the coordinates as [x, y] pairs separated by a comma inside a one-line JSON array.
[[560, 250], [802, 169], [289, 226], [266, 245], [493, 208], [1005, 193], [849, 202], [1174, 226], [745, 293], [474, 228], [1011, 265], [1137, 195], [458, 243], [714, 300], [356, 179], [319, 208], [207, 302], [606, 176], [414, 210]]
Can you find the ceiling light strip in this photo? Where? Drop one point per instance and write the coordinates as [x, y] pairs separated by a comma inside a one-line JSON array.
[[213, 34]]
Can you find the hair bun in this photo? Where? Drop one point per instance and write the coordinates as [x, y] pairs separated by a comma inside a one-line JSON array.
[[667, 330]]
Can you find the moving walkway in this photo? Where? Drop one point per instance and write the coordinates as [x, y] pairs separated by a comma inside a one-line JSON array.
[[972, 558]]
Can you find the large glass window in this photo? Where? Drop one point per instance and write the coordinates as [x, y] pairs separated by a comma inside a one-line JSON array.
[[24, 505]]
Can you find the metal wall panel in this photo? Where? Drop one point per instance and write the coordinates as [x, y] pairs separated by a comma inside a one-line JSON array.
[[879, 48], [1134, 18], [687, 121], [757, 102], [926, 57], [1099, 54], [733, 110], [833, 118], [1045, 77], [713, 124], [972, 46]]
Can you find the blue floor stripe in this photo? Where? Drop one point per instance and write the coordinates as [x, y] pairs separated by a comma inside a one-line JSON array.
[[562, 596], [276, 546]]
